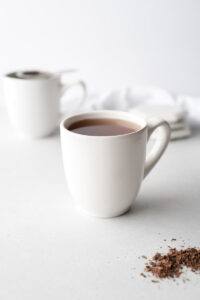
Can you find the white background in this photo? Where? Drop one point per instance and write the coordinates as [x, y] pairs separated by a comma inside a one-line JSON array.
[[113, 42], [47, 250]]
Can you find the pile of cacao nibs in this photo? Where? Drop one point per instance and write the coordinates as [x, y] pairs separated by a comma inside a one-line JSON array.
[[171, 264]]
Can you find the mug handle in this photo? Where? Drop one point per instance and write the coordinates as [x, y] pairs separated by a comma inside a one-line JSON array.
[[65, 87], [161, 142]]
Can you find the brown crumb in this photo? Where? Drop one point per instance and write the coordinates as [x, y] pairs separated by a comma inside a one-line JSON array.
[[144, 256], [142, 274], [155, 281], [172, 240], [171, 265], [185, 280]]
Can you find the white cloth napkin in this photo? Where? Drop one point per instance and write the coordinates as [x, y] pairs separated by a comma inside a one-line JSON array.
[[127, 98]]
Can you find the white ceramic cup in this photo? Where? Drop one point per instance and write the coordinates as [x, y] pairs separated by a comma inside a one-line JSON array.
[[33, 102], [104, 173]]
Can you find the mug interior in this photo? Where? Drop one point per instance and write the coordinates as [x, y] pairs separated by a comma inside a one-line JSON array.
[[108, 114], [29, 75]]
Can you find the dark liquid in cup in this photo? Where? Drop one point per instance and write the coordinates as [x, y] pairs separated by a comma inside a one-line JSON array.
[[29, 75], [103, 127]]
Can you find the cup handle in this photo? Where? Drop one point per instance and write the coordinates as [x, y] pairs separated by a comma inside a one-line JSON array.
[[65, 87], [161, 142]]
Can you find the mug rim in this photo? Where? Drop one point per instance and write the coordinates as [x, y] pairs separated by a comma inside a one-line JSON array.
[[110, 114], [51, 75]]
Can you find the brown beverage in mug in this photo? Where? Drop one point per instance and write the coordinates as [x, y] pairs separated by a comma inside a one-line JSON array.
[[103, 127], [32, 74]]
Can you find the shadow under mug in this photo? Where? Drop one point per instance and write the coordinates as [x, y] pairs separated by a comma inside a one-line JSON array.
[[104, 173], [33, 102]]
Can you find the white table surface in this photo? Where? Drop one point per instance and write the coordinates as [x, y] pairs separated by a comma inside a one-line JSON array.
[[48, 250]]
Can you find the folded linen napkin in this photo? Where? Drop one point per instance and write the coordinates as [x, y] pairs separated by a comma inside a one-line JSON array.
[[174, 115]]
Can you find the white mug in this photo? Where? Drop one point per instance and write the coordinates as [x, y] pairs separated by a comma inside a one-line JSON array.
[[104, 173], [33, 101]]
